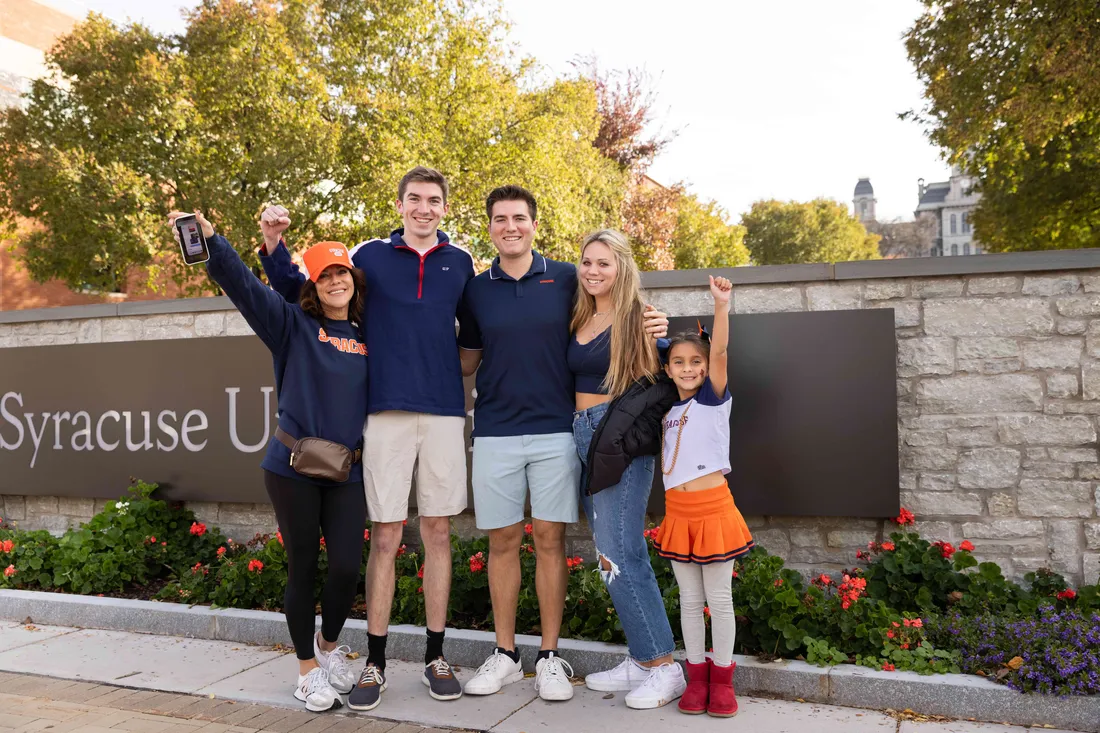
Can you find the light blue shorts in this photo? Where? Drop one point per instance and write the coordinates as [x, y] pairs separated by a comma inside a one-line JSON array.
[[504, 469]]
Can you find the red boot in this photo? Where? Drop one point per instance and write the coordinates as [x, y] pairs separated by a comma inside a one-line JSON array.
[[694, 699], [722, 703]]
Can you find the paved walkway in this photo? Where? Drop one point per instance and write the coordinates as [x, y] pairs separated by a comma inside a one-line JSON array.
[[60, 680]]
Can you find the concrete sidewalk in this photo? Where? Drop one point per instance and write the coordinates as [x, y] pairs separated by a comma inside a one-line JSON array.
[[63, 679]]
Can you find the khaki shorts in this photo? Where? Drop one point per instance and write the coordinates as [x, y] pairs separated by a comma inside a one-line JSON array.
[[395, 441]]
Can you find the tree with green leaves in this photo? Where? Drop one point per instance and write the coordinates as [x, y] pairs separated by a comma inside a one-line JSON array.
[[1013, 91], [791, 232], [318, 105], [705, 238]]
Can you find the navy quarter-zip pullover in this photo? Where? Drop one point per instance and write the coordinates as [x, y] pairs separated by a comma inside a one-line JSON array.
[[411, 306]]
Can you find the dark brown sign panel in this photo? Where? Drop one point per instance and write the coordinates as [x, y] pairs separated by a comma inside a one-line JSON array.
[[194, 415], [814, 425]]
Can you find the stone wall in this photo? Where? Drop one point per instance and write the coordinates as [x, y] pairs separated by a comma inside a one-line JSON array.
[[998, 397]]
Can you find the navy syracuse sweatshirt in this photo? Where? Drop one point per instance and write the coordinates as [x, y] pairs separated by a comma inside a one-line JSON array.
[[320, 373], [411, 307]]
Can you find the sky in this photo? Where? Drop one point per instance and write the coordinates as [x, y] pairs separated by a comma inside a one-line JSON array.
[[788, 99]]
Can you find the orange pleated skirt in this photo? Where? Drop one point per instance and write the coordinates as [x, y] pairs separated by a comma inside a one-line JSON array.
[[702, 527]]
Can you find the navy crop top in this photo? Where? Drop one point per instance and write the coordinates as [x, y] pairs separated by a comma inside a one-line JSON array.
[[590, 362]]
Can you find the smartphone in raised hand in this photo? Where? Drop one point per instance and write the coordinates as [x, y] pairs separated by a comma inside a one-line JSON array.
[[192, 242]]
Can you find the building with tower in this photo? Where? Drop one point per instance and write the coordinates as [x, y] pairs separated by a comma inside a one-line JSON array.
[[863, 201], [950, 204], [942, 225]]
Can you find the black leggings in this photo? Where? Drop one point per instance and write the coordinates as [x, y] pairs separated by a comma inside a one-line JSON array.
[[304, 511]]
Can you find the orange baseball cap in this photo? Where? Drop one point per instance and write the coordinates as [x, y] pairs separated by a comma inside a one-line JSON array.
[[324, 254]]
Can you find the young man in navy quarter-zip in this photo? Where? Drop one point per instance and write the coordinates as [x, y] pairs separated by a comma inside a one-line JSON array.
[[515, 334], [416, 409]]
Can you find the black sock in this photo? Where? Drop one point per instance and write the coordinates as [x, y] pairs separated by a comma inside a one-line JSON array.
[[435, 646], [376, 651], [545, 654], [510, 653]]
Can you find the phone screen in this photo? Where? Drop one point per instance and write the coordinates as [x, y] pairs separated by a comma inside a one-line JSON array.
[[192, 242], [192, 238]]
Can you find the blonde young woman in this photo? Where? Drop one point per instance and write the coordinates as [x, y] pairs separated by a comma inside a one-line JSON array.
[[621, 399]]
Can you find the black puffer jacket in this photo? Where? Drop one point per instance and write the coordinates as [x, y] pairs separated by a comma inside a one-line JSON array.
[[630, 428]]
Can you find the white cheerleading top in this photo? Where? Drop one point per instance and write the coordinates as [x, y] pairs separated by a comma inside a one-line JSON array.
[[704, 436]]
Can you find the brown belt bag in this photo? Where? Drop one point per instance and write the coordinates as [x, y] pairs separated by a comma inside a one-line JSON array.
[[319, 458]]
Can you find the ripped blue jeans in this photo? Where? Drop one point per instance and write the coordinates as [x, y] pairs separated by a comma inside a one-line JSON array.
[[617, 518]]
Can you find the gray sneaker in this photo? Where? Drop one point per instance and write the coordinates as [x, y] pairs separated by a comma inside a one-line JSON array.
[[440, 680], [367, 693]]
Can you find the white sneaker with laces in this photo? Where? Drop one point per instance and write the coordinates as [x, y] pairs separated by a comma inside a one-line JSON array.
[[335, 663], [663, 685], [316, 692], [495, 672], [551, 679], [623, 678]]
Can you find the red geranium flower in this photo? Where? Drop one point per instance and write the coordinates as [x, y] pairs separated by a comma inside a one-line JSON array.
[[198, 529], [420, 572], [890, 634], [888, 546], [966, 545], [279, 536], [888, 667], [10, 571], [255, 566], [528, 528], [221, 551], [946, 548], [1067, 595], [400, 550], [905, 517], [366, 535], [477, 562], [7, 546]]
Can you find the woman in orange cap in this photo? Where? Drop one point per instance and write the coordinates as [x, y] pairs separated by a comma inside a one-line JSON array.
[[312, 470]]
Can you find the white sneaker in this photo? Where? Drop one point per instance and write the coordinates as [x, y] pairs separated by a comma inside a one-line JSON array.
[[551, 680], [495, 672], [663, 685], [623, 678], [335, 663], [316, 692]]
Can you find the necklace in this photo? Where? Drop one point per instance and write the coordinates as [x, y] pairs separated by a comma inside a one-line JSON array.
[[596, 326], [676, 449]]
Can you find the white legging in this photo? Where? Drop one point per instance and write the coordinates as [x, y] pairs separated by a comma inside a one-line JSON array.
[[707, 585]]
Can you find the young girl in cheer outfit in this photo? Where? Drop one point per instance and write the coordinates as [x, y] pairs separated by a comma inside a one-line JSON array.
[[703, 532]]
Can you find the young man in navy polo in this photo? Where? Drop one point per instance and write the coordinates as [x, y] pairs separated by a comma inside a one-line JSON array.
[[515, 333], [416, 410]]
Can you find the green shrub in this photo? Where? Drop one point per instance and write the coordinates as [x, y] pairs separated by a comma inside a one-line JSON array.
[[888, 615]]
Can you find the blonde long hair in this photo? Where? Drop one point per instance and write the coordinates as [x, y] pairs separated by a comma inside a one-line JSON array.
[[633, 356]]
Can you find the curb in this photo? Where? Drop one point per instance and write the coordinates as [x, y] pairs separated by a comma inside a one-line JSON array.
[[952, 695]]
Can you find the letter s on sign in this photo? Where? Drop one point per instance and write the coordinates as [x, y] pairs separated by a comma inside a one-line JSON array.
[[168, 430], [11, 419]]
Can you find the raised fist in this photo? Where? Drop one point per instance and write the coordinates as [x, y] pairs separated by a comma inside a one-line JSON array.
[[720, 289], [273, 222]]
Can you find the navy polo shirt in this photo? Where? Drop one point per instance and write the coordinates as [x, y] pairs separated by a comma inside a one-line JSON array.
[[524, 386]]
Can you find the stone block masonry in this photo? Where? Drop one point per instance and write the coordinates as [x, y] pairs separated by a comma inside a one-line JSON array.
[[998, 398]]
